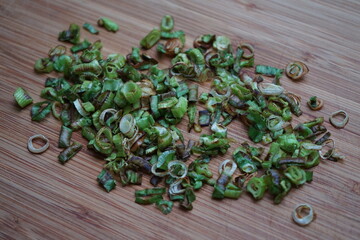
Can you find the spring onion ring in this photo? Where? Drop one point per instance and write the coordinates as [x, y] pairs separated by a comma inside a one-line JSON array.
[[338, 124], [296, 70], [223, 167], [127, 125], [172, 166], [175, 187], [303, 220], [329, 153], [274, 123], [248, 47], [41, 149]]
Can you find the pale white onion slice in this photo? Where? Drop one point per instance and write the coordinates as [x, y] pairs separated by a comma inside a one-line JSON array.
[[270, 89], [339, 124], [183, 166], [41, 149], [223, 167], [303, 220]]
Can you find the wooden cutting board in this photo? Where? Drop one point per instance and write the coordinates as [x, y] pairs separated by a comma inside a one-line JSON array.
[[42, 199]]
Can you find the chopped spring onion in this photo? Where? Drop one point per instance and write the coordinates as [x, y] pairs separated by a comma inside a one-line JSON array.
[[296, 70], [339, 124], [302, 218], [315, 103], [108, 24], [41, 149], [22, 97]]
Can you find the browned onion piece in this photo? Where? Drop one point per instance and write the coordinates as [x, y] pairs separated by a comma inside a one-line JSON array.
[[173, 46], [296, 70]]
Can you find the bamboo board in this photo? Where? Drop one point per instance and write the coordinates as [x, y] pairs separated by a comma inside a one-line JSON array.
[[42, 199]]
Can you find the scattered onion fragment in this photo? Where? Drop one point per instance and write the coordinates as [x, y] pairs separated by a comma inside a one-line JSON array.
[[41, 149], [315, 103], [338, 124], [296, 70], [303, 220]]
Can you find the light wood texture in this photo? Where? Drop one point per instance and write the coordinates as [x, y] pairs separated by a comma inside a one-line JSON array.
[[42, 199]]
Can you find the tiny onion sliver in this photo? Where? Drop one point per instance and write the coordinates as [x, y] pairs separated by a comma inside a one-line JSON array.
[[303, 220], [338, 124], [327, 155], [41, 149]]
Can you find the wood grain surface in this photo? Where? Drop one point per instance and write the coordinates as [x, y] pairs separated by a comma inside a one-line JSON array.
[[42, 199]]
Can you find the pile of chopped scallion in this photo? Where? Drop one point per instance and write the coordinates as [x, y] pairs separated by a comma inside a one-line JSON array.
[[127, 108]]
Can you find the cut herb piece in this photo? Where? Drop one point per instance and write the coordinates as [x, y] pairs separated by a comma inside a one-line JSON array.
[[108, 24], [167, 23], [150, 39], [22, 98], [71, 35], [69, 152], [90, 28], [106, 180]]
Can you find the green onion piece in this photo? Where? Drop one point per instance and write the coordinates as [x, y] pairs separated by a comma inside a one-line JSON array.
[[189, 198], [90, 28], [80, 46], [88, 133], [92, 67], [22, 97], [149, 196], [191, 115], [103, 141], [108, 24], [57, 51], [127, 125], [268, 70], [150, 39], [193, 93], [222, 43], [288, 143], [296, 175], [40, 110], [204, 118], [131, 91], [167, 23], [134, 177], [43, 65], [176, 34], [315, 104], [168, 103], [69, 152], [256, 187], [71, 35], [65, 137], [62, 64], [180, 108], [165, 206], [106, 180], [232, 191], [203, 97]]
